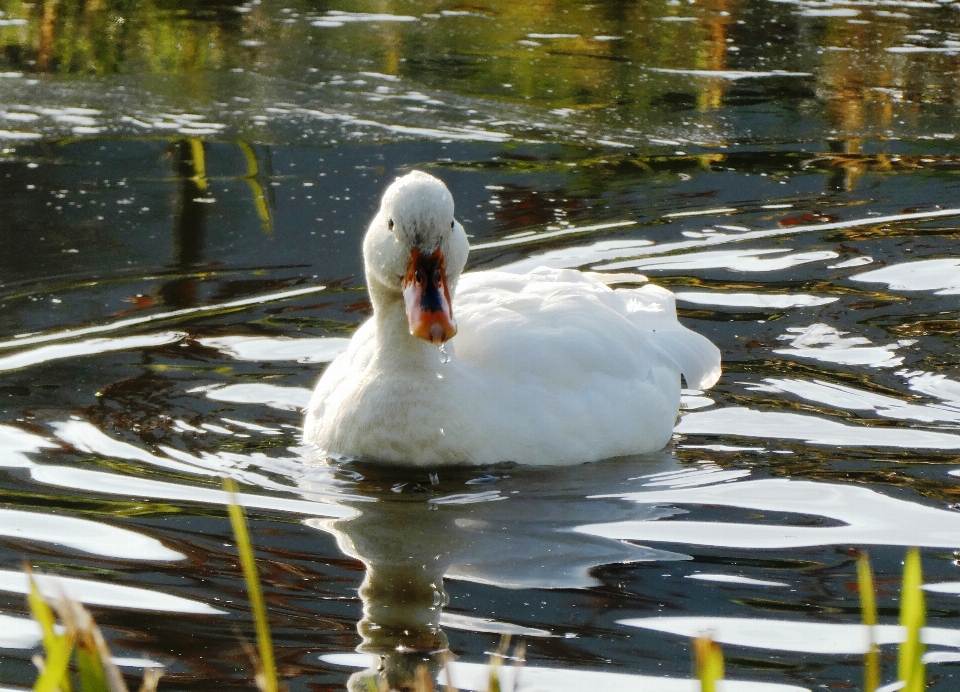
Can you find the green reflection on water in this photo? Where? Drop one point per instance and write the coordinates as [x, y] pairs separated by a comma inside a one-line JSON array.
[[610, 61]]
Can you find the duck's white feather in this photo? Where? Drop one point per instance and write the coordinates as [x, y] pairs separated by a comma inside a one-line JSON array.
[[550, 367]]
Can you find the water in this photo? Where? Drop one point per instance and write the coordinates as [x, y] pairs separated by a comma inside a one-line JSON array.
[[185, 188]]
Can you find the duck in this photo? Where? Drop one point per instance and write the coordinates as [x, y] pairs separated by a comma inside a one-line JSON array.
[[548, 368]]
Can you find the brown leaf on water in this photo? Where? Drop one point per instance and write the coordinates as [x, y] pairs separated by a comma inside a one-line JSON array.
[[140, 301], [805, 219]]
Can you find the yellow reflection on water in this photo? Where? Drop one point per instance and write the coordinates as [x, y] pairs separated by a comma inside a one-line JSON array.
[[868, 71]]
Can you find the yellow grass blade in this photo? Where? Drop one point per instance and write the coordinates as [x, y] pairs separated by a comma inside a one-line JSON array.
[[52, 642], [55, 665], [868, 612], [42, 613], [259, 196], [707, 662], [199, 160], [913, 617], [264, 642]]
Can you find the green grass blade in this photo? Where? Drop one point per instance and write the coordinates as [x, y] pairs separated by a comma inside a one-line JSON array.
[[913, 617], [90, 671], [264, 643], [707, 663], [868, 612]]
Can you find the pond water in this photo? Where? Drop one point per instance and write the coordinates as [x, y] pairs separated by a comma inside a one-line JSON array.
[[185, 188]]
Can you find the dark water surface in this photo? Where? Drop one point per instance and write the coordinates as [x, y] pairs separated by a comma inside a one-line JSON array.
[[184, 191]]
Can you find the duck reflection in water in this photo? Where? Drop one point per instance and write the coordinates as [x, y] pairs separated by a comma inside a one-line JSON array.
[[513, 530]]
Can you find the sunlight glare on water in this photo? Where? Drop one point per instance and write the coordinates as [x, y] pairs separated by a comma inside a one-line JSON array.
[[185, 191]]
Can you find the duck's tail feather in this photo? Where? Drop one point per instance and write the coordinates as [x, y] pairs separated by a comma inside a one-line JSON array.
[[694, 355]]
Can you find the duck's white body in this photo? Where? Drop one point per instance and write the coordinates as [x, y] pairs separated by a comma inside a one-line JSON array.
[[550, 367]]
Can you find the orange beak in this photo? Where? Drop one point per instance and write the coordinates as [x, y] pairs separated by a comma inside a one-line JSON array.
[[427, 298]]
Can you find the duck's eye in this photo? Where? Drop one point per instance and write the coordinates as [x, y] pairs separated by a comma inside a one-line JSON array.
[[436, 277], [390, 224], [418, 277], [452, 224]]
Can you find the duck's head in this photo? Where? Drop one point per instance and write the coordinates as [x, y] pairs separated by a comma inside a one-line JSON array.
[[415, 248]]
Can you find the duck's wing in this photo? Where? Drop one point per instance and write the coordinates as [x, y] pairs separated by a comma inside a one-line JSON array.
[[573, 326]]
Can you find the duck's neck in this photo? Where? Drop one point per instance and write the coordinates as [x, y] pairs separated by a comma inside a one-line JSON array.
[[395, 344]]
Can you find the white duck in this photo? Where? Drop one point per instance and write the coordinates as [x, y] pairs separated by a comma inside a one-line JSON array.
[[550, 367]]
